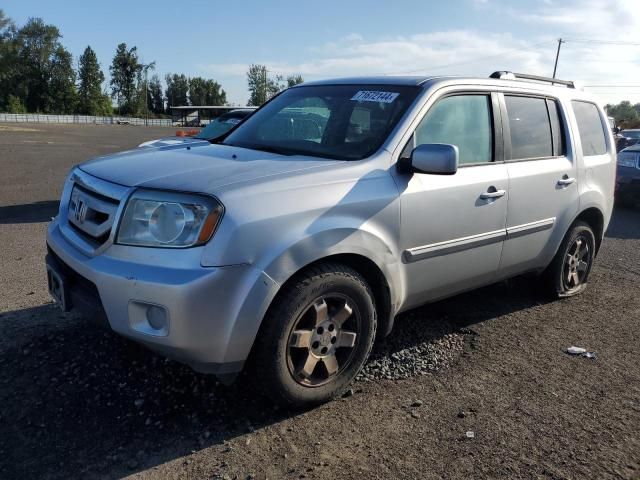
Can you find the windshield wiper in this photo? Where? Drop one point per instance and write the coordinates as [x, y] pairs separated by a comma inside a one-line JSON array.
[[264, 148]]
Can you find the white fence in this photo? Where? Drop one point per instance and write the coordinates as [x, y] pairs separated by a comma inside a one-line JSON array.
[[37, 118]]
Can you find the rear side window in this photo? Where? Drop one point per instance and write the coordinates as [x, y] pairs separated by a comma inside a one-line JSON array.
[[464, 121], [530, 127], [590, 127]]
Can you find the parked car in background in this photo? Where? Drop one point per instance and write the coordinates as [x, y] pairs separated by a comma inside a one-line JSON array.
[[628, 175], [216, 128], [627, 137], [290, 244]]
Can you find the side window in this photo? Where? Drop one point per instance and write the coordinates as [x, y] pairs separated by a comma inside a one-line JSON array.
[[556, 128], [590, 127], [464, 121], [529, 126]]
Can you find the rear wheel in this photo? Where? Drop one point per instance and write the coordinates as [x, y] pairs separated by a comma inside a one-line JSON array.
[[568, 273], [316, 336]]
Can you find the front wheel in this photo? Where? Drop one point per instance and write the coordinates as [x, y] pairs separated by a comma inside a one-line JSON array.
[[316, 336], [568, 273]]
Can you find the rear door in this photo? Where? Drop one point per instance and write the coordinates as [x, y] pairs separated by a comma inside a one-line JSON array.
[[543, 189]]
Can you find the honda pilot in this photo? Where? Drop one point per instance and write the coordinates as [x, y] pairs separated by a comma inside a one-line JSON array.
[[287, 246]]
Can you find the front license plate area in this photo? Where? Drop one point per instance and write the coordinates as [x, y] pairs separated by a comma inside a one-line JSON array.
[[57, 288]]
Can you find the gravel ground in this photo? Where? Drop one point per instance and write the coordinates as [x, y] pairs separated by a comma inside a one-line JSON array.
[[474, 386]]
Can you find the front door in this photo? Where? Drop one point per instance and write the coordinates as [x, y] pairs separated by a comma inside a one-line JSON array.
[[453, 226]]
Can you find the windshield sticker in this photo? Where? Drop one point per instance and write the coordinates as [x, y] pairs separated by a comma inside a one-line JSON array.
[[374, 96]]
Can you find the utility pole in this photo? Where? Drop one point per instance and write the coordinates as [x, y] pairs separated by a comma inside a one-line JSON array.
[[555, 66]]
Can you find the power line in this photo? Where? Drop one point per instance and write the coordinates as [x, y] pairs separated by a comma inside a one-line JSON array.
[[601, 42]]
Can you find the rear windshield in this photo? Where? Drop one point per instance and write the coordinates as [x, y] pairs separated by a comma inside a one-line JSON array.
[[333, 121], [220, 126]]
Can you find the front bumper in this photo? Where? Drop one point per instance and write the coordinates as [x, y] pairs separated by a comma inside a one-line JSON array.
[[628, 182], [213, 314]]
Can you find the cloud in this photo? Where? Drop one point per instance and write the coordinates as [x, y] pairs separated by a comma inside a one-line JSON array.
[[478, 53], [461, 50]]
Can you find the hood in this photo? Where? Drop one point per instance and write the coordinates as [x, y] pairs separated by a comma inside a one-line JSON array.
[[171, 142], [195, 168]]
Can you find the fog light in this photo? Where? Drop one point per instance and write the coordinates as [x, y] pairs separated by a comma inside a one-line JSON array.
[[157, 317]]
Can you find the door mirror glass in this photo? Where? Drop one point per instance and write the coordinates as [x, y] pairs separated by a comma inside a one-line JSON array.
[[435, 158]]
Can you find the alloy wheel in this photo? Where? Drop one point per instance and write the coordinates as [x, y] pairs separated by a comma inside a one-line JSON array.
[[323, 340], [576, 263]]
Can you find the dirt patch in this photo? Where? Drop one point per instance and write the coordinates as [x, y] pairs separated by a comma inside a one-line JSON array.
[[11, 128]]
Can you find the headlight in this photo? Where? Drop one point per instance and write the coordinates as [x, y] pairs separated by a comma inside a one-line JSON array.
[[627, 159], [168, 219]]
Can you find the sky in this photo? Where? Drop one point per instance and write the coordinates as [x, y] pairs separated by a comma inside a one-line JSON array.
[[330, 38]]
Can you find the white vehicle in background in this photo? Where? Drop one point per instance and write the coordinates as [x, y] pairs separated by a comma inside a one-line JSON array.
[[215, 129]]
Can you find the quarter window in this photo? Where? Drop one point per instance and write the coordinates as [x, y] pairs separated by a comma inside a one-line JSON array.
[[529, 126], [590, 127], [464, 121]]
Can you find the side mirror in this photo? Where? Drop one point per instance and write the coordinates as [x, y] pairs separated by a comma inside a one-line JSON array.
[[435, 158]]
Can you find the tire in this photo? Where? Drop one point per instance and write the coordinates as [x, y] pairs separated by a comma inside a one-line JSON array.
[[568, 273], [319, 314]]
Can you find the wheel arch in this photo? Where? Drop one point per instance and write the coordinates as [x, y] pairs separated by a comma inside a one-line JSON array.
[[372, 274], [594, 217]]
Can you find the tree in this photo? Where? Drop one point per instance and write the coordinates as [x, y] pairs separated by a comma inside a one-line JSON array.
[[262, 88], [8, 60], [62, 86], [15, 105], [156, 100], [258, 83], [36, 44], [91, 100], [125, 75], [177, 90], [624, 112], [206, 92], [293, 80], [143, 99]]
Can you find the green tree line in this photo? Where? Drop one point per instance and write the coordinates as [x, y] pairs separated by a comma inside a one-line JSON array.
[[627, 115], [38, 75]]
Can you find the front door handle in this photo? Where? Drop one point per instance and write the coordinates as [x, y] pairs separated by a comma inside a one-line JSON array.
[[565, 181], [492, 193]]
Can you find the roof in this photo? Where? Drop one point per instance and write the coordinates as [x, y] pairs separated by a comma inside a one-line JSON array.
[[497, 78], [375, 80], [210, 107]]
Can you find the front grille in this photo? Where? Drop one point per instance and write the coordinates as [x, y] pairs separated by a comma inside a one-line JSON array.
[[91, 214]]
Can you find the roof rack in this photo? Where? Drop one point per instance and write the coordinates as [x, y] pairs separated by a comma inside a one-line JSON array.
[[505, 75]]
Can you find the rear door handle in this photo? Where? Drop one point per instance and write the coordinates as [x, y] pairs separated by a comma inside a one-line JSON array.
[[493, 194], [564, 181]]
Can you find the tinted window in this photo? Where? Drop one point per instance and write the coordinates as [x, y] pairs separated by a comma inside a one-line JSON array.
[[329, 121], [529, 126], [592, 134], [463, 121], [556, 128]]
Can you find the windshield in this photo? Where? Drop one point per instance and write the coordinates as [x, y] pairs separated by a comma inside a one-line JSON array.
[[332, 121], [219, 126], [631, 133]]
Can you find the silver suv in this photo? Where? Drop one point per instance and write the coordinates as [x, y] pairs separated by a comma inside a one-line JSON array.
[[288, 245]]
